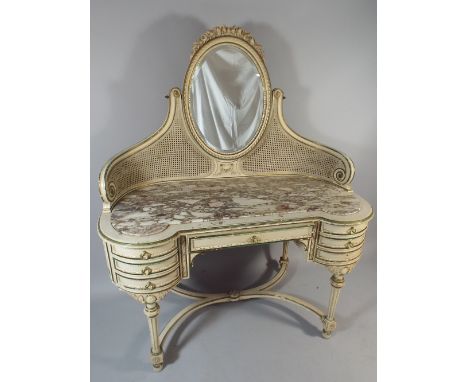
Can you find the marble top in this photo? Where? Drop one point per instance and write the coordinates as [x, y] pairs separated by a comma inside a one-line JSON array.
[[152, 209]]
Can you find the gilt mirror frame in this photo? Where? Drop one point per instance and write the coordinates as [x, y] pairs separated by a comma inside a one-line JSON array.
[[237, 37]]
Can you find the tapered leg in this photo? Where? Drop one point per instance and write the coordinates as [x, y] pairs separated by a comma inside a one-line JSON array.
[[329, 323], [152, 313]]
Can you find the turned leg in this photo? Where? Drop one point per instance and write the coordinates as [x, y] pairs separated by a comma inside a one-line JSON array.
[[152, 313], [329, 323]]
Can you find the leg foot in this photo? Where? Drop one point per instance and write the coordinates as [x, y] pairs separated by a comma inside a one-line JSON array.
[[328, 327], [157, 360]]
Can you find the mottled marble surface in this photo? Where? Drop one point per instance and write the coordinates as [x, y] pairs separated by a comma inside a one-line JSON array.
[[152, 209]]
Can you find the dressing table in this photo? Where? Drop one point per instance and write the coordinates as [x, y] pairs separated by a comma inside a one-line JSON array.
[[225, 170]]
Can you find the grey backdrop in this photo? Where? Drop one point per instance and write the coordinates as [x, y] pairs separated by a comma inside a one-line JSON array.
[[323, 55]]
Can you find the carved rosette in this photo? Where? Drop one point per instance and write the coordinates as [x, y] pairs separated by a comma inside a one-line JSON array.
[[224, 30], [112, 191]]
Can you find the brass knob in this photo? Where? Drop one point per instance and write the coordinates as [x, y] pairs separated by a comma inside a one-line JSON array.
[[352, 230], [254, 239], [150, 285], [147, 271], [145, 255], [349, 244]]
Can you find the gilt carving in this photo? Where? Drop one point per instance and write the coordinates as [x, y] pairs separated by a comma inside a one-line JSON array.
[[223, 30]]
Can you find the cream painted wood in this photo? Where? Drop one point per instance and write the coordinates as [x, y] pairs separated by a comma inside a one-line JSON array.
[[329, 323], [341, 243], [158, 282], [152, 313], [249, 238], [336, 258], [144, 253], [340, 229], [147, 267]]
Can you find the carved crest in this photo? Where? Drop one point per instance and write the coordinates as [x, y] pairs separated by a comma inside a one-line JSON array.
[[224, 30]]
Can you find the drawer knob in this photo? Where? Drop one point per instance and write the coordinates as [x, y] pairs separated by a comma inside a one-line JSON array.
[[254, 239], [150, 285], [352, 230], [145, 255], [349, 244], [147, 271]]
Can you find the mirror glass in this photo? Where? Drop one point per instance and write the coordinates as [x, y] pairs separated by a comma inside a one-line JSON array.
[[226, 95]]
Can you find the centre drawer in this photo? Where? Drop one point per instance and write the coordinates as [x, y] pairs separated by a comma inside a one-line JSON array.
[[249, 238]]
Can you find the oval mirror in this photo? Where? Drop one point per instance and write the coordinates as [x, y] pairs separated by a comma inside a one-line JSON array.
[[226, 98]]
